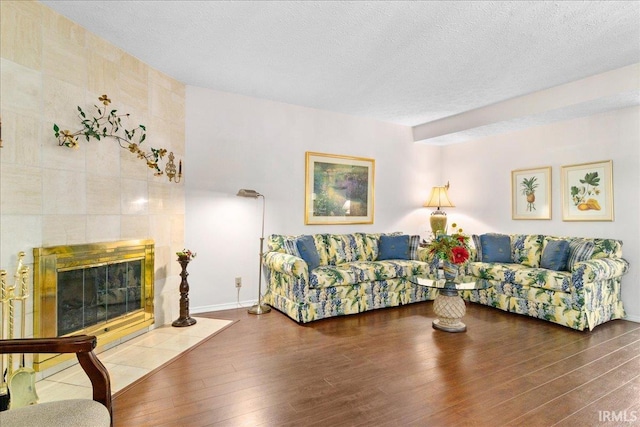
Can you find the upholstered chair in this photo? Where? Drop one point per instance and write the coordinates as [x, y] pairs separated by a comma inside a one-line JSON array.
[[73, 412]]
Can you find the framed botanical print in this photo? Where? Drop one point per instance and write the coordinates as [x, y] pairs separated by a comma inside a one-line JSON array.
[[587, 191], [531, 193], [338, 189]]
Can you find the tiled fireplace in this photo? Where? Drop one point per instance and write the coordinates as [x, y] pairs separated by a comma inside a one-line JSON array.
[[102, 289]]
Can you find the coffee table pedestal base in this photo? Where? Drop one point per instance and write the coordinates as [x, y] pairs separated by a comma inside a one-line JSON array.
[[450, 309]]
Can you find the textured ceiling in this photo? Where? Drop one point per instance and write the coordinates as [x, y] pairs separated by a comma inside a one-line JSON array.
[[401, 62]]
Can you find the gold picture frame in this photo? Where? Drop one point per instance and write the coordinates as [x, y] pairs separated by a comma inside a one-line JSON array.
[[338, 189], [531, 193], [587, 191]]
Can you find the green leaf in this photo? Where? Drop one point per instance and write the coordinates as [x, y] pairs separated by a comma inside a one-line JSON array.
[[144, 136], [56, 129], [143, 127]]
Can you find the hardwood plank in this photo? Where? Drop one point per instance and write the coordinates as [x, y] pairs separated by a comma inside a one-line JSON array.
[[388, 368]]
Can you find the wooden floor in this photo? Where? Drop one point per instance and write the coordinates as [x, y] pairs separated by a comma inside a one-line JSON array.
[[390, 368]]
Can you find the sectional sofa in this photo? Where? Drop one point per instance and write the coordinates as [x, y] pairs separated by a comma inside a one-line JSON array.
[[571, 281], [324, 275]]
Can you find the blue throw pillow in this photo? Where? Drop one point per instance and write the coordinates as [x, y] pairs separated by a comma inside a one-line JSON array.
[[394, 247], [496, 248], [308, 252], [555, 255]]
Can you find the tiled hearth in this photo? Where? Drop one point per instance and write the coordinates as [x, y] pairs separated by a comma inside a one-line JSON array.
[[129, 361]]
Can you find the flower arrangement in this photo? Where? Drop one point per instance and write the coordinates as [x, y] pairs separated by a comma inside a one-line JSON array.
[[450, 247], [186, 254]]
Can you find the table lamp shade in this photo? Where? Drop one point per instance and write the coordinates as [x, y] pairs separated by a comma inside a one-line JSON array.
[[439, 198]]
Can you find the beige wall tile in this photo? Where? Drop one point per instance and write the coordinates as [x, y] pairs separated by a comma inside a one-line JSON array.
[[64, 230], [160, 229], [54, 195], [177, 230], [132, 167], [161, 102], [61, 102], [103, 195], [134, 227], [63, 51], [21, 33], [103, 76], [103, 228], [20, 139], [103, 157], [134, 197], [20, 233], [64, 192], [21, 189], [20, 88]]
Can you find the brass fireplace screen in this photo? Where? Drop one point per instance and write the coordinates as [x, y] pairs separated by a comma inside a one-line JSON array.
[[102, 289]]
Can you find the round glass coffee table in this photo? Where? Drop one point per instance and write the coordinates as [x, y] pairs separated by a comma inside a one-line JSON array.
[[448, 305]]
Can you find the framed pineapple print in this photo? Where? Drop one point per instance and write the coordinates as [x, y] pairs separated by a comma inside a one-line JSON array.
[[531, 193], [587, 192]]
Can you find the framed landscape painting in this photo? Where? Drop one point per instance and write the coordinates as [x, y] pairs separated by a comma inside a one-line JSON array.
[[338, 189], [587, 192], [531, 193]]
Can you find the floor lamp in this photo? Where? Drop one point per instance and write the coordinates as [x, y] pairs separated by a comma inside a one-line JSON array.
[[258, 308]]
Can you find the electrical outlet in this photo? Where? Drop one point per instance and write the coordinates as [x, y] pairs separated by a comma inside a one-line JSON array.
[[238, 282]]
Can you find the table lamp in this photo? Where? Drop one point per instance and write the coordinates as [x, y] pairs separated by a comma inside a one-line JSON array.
[[439, 198]]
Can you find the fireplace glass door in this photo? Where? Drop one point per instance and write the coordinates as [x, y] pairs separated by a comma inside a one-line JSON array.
[[93, 295]]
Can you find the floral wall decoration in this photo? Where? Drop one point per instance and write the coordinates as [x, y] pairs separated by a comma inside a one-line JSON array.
[[107, 123]]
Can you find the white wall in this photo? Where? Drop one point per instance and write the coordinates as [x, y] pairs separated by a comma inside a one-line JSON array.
[[241, 142], [483, 174]]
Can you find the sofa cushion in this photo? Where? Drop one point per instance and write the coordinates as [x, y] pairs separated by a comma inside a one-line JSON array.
[[332, 275], [495, 248], [367, 271], [394, 247], [503, 272], [607, 248], [344, 248], [555, 255], [579, 250], [307, 249], [370, 243], [291, 247], [478, 248], [543, 279], [526, 249], [414, 244]]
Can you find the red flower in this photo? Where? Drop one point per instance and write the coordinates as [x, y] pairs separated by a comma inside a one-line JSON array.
[[459, 255]]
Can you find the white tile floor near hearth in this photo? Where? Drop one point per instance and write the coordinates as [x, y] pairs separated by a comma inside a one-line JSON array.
[[130, 360]]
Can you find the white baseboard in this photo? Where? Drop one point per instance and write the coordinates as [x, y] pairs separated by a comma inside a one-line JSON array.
[[220, 307], [633, 319]]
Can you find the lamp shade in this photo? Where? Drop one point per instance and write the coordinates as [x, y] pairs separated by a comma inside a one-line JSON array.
[[243, 192], [439, 198]]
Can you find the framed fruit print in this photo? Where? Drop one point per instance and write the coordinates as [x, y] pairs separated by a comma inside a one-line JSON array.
[[587, 192], [531, 193]]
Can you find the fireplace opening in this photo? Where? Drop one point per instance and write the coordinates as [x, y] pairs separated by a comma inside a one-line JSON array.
[[92, 295], [101, 289]]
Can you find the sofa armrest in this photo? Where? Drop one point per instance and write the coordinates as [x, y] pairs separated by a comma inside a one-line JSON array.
[[424, 254], [288, 264], [598, 269]]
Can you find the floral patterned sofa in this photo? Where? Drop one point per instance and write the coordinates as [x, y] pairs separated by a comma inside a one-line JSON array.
[[582, 293], [354, 273]]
